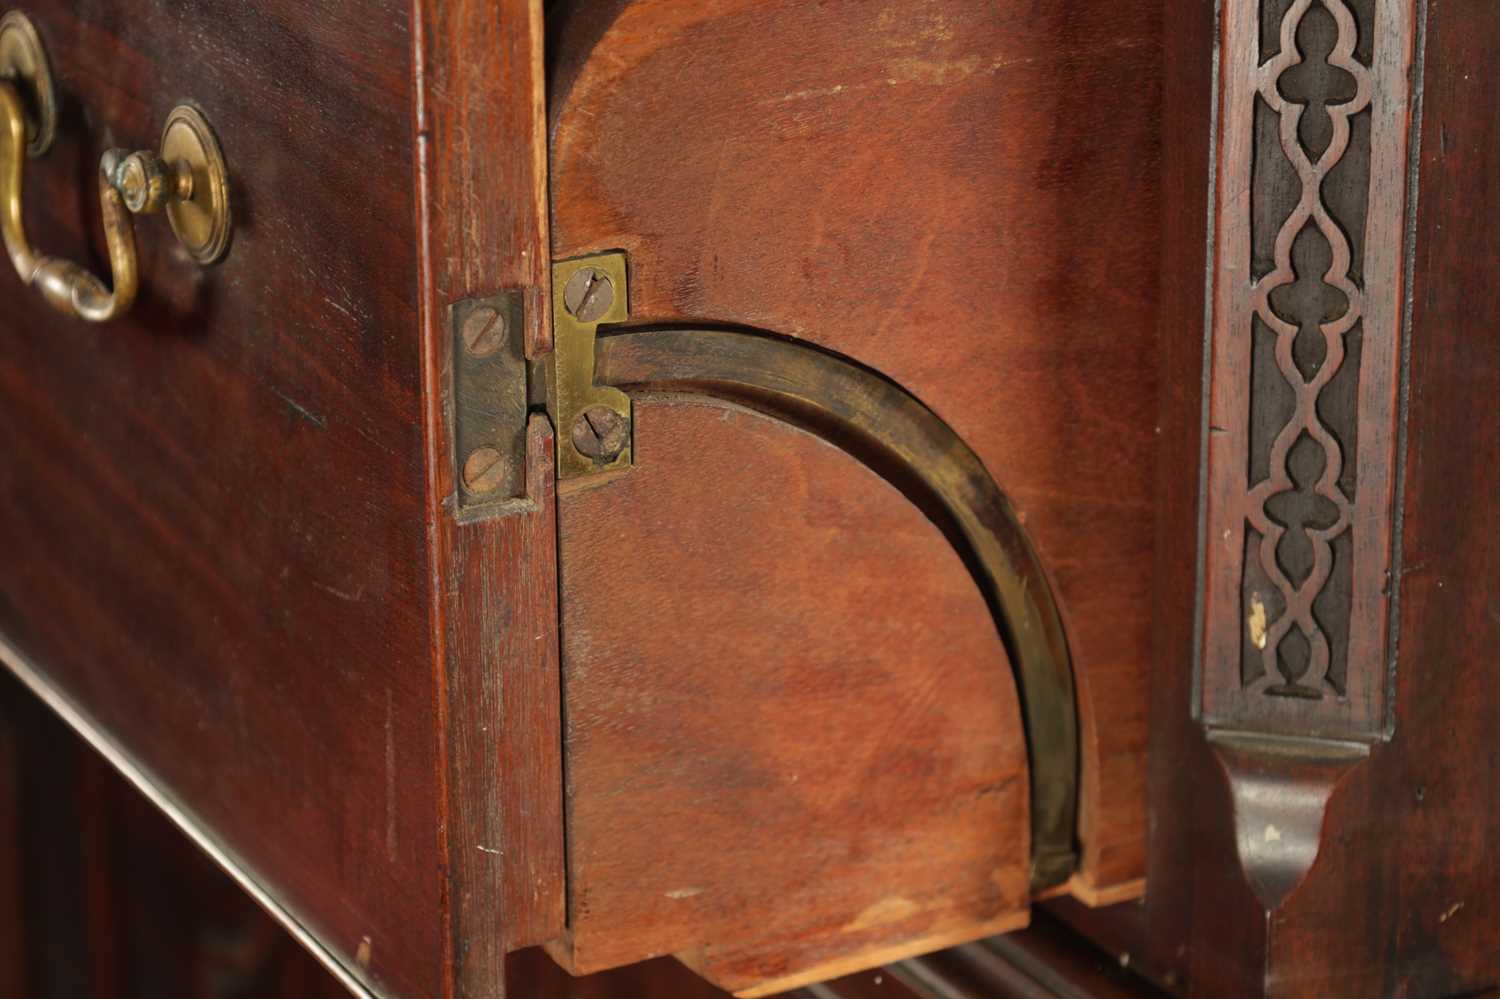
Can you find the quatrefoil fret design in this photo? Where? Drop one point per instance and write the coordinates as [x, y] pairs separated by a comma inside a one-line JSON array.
[[1304, 400], [1301, 512], [1310, 303], [1316, 83]]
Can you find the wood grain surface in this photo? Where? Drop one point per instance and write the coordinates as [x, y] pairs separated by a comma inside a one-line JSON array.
[[962, 196], [1308, 305], [783, 757], [211, 513], [481, 205], [1155, 934]]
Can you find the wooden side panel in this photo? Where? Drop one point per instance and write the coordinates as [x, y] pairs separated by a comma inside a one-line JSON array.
[[793, 740], [1406, 897], [481, 175], [504, 733], [211, 513], [1402, 897], [960, 194]]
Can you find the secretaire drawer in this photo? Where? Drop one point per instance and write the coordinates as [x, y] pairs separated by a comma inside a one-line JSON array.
[[503, 477]]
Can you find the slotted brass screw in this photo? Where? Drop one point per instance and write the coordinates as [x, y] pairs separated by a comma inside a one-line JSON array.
[[483, 331], [600, 433], [484, 470], [588, 295]]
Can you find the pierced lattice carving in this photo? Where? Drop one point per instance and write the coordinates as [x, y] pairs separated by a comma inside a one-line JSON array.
[[1307, 292], [1300, 508]]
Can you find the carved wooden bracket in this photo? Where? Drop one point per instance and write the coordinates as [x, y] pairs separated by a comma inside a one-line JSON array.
[[1307, 318], [1281, 787]]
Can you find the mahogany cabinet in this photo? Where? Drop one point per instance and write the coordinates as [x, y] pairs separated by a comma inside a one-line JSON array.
[[790, 486]]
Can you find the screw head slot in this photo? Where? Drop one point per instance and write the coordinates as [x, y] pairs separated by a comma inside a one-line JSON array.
[[484, 470], [600, 434], [483, 331], [588, 295]]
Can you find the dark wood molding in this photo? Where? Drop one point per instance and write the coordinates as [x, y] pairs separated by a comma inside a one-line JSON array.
[[1280, 788], [1314, 122]]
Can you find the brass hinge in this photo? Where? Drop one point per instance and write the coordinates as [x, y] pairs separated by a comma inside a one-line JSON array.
[[488, 406], [592, 422], [494, 387]]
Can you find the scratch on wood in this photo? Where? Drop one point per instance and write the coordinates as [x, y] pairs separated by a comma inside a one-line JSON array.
[[300, 410], [888, 910], [353, 598], [390, 775], [341, 308]]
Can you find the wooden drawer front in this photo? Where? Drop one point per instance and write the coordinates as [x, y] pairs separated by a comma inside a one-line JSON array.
[[211, 510]]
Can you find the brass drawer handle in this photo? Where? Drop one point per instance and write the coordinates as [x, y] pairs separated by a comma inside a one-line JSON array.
[[186, 178]]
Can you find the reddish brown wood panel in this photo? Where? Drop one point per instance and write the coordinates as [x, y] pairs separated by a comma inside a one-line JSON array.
[[1044, 960], [1164, 924], [212, 512], [481, 201], [504, 731], [792, 736], [532, 973], [482, 154], [962, 195]]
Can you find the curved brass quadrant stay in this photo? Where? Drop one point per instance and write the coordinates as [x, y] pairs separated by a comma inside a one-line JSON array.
[[187, 178], [891, 431]]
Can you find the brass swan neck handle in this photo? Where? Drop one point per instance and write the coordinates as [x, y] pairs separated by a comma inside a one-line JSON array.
[[68, 287], [187, 179]]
